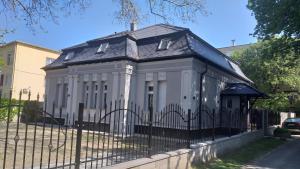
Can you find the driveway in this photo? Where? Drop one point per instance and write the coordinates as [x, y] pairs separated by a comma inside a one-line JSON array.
[[284, 157]]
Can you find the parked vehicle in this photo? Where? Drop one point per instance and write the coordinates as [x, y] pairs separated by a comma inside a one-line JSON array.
[[291, 124]]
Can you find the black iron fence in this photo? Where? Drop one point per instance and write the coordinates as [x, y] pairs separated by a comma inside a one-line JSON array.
[[120, 131]]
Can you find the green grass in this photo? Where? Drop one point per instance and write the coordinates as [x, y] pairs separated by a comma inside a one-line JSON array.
[[242, 156]]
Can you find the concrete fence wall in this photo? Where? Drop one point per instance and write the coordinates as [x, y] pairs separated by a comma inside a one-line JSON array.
[[183, 158]]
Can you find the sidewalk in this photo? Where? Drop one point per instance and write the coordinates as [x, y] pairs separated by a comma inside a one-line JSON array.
[[284, 157]]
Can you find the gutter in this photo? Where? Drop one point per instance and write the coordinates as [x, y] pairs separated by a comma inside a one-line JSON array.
[[200, 94]]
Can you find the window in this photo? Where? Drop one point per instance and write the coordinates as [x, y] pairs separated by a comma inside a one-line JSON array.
[[162, 92], [8, 59], [69, 56], [102, 48], [94, 95], [104, 94], [57, 94], [85, 94], [149, 95], [65, 95], [164, 44], [25, 91], [229, 103], [49, 60]]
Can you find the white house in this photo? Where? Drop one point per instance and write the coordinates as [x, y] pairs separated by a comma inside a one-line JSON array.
[[153, 66]]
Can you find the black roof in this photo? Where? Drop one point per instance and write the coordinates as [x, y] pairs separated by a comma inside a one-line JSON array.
[[142, 45], [240, 89]]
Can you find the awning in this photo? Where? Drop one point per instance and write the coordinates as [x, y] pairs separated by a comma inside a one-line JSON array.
[[242, 89]]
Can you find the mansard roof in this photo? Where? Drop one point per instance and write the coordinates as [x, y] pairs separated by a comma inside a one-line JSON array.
[[142, 45]]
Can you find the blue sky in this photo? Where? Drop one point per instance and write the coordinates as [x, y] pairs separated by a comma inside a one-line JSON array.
[[227, 20]]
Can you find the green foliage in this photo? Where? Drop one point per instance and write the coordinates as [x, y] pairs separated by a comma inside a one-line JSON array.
[[1, 62], [5, 109], [273, 65], [276, 17], [282, 133], [31, 111]]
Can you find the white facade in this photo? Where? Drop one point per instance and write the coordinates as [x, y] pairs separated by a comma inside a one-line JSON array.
[[163, 82]]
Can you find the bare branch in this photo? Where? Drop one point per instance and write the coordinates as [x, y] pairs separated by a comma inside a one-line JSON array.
[[155, 13], [34, 12]]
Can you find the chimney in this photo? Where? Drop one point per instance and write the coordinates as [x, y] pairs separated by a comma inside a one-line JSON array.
[[133, 26], [233, 42]]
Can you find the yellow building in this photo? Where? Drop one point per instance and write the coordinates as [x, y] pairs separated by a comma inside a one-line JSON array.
[[21, 70]]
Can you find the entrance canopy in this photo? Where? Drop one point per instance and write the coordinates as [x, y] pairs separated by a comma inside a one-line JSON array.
[[242, 89]]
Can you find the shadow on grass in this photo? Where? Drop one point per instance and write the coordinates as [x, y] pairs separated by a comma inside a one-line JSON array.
[[242, 156]]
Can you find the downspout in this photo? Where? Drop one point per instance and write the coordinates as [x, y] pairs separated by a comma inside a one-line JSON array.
[[200, 96]]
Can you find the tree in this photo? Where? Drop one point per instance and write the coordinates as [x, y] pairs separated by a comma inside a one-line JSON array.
[[273, 65], [33, 12], [276, 17]]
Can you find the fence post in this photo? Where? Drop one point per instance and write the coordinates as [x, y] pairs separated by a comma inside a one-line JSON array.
[[7, 127], [78, 137], [150, 131], [189, 128], [251, 120], [230, 116], [213, 132]]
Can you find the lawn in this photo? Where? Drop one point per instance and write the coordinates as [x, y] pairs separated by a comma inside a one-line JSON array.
[[242, 156]]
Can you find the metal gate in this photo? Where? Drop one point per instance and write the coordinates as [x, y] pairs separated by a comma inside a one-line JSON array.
[[120, 131]]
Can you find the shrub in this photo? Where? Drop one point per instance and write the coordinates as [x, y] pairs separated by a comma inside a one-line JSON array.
[[282, 133], [4, 109], [31, 111]]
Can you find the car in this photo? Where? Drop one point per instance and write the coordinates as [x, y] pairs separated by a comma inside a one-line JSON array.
[[292, 124]]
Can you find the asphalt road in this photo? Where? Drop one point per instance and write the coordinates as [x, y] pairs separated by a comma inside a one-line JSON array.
[[284, 157]]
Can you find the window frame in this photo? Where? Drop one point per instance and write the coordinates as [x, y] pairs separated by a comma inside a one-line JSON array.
[[49, 60], [149, 97], [104, 94], [94, 95], [85, 94], [102, 48], [69, 56], [160, 45]]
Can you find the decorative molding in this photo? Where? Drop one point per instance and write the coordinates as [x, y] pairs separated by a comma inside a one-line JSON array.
[[66, 79], [86, 77], [162, 76], [104, 77], [95, 77], [128, 69], [59, 80], [149, 76]]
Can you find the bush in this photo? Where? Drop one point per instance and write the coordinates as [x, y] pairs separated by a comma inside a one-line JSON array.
[[31, 111], [282, 133], [4, 108]]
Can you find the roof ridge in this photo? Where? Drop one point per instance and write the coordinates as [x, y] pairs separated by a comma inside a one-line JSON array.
[[160, 24]]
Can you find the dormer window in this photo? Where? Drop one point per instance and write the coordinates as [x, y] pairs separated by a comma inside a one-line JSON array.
[[164, 44], [102, 48], [69, 56]]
